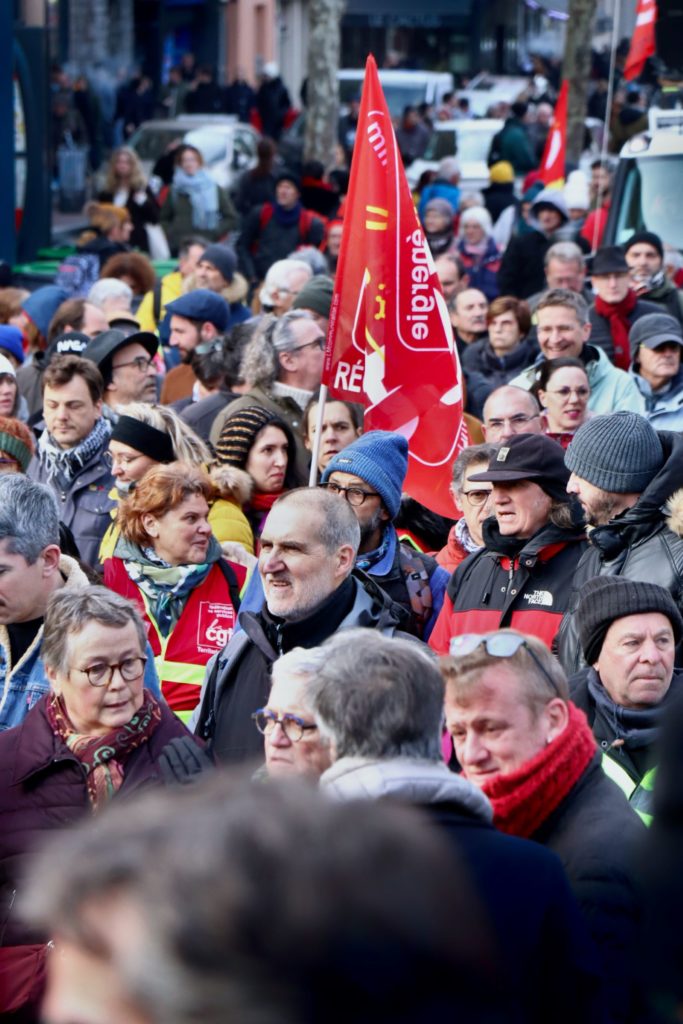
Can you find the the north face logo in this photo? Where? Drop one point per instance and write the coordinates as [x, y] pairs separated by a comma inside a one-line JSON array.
[[542, 597]]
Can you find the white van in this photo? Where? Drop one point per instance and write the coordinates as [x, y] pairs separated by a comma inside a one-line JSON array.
[[402, 88]]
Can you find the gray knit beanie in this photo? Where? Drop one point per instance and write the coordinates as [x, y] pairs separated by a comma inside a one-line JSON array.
[[619, 453], [607, 598]]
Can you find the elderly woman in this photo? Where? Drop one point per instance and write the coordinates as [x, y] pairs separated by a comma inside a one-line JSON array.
[[563, 391], [95, 737], [437, 221], [149, 435], [477, 251], [169, 563]]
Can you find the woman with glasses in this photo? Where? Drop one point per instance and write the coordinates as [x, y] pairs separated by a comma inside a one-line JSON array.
[[96, 736], [563, 391], [168, 563], [262, 444]]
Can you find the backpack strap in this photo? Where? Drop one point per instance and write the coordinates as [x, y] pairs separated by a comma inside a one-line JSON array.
[[415, 571], [231, 580], [156, 300]]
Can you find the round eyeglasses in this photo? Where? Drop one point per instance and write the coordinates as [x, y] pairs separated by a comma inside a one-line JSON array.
[[292, 726], [101, 673], [354, 495]]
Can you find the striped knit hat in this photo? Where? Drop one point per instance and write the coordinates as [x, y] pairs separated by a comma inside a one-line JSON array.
[[239, 433]]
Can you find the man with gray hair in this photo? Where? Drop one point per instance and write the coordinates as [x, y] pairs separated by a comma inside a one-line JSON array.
[[282, 284], [308, 550], [565, 267], [563, 328], [472, 500], [290, 370], [383, 725]]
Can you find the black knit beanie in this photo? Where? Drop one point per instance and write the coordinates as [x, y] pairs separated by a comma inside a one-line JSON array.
[[606, 598]]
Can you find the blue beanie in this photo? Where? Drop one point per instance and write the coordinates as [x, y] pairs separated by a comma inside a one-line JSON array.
[[10, 341], [380, 458], [42, 304]]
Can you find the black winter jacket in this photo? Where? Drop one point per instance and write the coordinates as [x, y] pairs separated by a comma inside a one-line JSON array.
[[527, 591], [596, 835], [640, 544], [479, 358], [237, 681]]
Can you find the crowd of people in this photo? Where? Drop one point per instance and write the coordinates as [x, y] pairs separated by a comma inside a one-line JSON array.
[[509, 677]]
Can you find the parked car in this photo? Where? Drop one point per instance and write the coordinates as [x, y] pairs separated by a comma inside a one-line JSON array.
[[485, 90], [227, 145], [470, 141], [401, 88]]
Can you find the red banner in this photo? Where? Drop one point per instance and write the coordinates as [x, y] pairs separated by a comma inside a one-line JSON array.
[[552, 164], [643, 43], [390, 344]]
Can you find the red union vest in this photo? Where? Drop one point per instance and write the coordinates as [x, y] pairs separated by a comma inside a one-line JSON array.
[[206, 624]]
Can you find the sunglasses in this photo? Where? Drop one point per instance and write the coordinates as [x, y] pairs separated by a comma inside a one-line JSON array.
[[498, 645]]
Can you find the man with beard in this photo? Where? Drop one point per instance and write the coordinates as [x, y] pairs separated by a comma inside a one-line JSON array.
[[369, 474], [626, 477], [196, 318]]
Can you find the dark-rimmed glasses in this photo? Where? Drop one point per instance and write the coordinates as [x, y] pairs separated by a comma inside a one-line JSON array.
[[101, 673], [354, 495], [498, 645], [141, 363], [292, 726], [477, 498]]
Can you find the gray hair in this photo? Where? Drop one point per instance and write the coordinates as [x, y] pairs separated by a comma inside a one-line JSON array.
[[536, 689], [69, 611], [378, 697], [29, 517], [468, 457], [284, 335], [565, 297], [312, 257], [565, 252], [110, 288], [258, 367], [279, 275], [337, 523]]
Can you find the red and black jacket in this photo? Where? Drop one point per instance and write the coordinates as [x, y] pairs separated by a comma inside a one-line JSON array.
[[524, 585]]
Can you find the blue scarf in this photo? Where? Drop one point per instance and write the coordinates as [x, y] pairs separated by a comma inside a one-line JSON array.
[[202, 192], [286, 218], [370, 558]]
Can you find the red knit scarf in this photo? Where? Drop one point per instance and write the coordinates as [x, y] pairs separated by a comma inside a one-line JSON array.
[[618, 313], [524, 799]]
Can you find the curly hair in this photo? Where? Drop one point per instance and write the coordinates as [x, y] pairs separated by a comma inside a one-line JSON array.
[[161, 489], [134, 266]]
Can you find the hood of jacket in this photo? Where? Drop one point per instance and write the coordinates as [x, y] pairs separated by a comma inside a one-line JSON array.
[[232, 483], [533, 548], [662, 494], [406, 779]]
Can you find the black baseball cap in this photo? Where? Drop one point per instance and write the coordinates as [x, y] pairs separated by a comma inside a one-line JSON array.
[[532, 457]]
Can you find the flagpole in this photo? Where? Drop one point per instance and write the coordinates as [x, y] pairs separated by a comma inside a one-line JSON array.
[[320, 413], [608, 110]]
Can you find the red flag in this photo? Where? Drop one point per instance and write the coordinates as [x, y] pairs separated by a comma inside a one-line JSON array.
[[555, 151], [643, 42], [390, 344]]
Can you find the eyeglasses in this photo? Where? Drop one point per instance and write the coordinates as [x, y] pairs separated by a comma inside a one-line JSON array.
[[565, 392], [354, 495], [101, 674], [477, 497], [319, 342], [519, 420], [141, 363], [498, 645], [292, 726]]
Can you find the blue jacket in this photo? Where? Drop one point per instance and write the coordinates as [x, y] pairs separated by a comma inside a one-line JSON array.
[[22, 685], [664, 411], [439, 189]]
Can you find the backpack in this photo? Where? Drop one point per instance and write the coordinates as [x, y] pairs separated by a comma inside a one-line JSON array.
[[77, 274], [415, 567], [306, 219]]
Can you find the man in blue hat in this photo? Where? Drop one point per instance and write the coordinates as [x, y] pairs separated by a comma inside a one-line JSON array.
[[198, 317], [369, 474]]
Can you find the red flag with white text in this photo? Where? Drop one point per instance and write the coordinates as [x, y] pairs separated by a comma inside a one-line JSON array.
[[552, 164], [643, 43], [390, 344]]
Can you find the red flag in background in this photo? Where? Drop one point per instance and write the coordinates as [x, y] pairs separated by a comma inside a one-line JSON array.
[[390, 344], [555, 151], [643, 43]]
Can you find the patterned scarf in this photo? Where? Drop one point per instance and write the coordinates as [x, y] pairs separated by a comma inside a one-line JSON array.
[[202, 192], [370, 558], [103, 757], [66, 463], [524, 799], [167, 587], [464, 537], [617, 314]]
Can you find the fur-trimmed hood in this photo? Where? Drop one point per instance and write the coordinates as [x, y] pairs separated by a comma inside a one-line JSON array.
[[674, 508], [233, 484]]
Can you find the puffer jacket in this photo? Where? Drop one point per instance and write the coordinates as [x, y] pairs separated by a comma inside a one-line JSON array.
[[237, 681], [499, 587], [87, 505], [612, 390], [640, 544]]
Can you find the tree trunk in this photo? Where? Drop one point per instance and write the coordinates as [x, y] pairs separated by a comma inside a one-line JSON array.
[[322, 90], [576, 67]]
